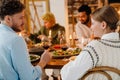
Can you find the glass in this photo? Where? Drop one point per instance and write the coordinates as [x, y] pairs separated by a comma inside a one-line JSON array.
[[64, 47], [61, 37], [75, 39], [45, 43]]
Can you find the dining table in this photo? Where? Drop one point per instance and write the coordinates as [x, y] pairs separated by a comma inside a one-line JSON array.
[[56, 63], [59, 58]]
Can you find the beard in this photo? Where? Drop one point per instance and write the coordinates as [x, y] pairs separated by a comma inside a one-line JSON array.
[[17, 28], [87, 20]]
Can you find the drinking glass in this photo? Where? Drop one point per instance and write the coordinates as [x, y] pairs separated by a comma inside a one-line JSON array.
[[61, 37]]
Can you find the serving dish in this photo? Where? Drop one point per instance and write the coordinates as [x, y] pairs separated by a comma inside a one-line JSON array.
[[65, 53]]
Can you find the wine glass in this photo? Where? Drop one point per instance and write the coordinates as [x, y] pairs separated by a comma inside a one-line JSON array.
[[64, 48], [45, 42], [46, 45], [61, 37]]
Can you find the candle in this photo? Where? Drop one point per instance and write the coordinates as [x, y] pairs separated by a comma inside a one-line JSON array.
[[82, 40], [70, 36], [50, 33]]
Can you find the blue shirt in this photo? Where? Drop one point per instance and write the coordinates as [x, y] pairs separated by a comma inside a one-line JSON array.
[[14, 58]]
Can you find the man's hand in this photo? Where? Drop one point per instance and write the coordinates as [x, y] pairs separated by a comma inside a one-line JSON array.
[[45, 58]]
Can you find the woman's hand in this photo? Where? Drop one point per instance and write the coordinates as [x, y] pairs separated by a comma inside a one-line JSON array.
[[42, 38]]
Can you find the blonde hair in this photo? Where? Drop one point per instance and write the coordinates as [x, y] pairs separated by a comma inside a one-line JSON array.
[[107, 14], [49, 17]]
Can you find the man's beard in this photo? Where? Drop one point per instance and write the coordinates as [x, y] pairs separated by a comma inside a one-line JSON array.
[[17, 29], [86, 20]]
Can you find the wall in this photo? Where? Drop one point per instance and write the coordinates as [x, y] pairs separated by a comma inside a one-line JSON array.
[[57, 7], [60, 10]]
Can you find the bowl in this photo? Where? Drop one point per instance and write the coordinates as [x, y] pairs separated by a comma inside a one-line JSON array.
[[57, 46], [34, 59], [36, 50]]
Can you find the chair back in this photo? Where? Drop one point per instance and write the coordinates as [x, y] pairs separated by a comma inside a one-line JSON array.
[[101, 70]]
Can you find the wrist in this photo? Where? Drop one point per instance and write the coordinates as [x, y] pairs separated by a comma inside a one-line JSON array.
[[42, 64]]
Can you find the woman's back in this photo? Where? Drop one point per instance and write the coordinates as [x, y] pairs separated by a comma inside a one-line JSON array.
[[106, 52]]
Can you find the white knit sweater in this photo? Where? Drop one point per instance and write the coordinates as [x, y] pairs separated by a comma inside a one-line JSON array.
[[104, 52]]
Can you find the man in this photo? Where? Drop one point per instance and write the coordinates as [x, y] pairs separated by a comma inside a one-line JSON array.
[[14, 59], [82, 28]]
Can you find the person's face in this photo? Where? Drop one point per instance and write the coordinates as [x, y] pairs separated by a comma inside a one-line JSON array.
[[17, 21], [97, 28], [83, 17], [47, 24]]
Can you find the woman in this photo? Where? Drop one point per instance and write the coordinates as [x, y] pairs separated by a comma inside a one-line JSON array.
[[49, 25], [102, 52]]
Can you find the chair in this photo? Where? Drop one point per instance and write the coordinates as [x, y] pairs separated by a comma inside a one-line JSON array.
[[101, 70]]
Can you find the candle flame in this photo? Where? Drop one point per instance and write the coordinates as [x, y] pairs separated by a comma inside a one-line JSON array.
[[70, 36]]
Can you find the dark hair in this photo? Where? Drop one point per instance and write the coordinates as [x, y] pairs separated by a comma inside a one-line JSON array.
[[10, 7], [85, 8]]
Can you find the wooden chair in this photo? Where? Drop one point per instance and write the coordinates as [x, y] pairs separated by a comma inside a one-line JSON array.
[[101, 70]]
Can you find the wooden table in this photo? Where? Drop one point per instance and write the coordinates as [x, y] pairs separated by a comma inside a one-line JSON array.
[[56, 63]]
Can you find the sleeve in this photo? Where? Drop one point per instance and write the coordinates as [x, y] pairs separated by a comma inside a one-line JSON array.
[[21, 61], [79, 32], [74, 70]]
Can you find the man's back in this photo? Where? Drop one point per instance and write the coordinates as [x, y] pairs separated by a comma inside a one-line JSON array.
[[6, 65]]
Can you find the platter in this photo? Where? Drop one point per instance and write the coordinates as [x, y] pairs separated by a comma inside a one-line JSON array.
[[57, 54]]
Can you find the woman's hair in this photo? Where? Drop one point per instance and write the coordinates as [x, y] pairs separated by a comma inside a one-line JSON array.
[[10, 7], [49, 17], [107, 14]]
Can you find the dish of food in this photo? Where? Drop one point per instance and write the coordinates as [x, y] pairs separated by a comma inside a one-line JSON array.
[[34, 58], [65, 53]]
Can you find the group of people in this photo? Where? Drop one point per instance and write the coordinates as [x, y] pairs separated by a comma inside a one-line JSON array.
[[14, 57]]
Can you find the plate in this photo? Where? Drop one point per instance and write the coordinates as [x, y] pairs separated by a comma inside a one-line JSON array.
[[65, 54], [34, 58]]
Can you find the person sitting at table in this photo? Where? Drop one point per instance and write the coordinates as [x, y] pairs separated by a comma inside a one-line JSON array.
[[14, 58], [49, 25], [82, 28], [99, 52]]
